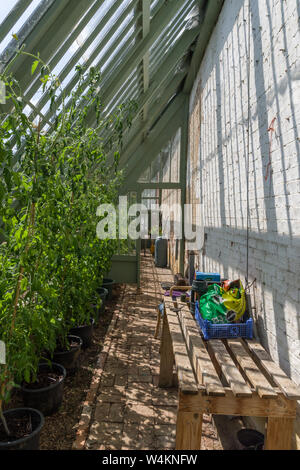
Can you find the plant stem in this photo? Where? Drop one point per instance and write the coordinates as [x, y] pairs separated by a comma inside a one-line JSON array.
[[4, 422]]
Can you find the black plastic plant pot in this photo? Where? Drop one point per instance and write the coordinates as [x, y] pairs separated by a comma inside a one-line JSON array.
[[96, 313], [32, 418], [69, 357], [102, 292], [251, 439], [46, 399], [84, 332], [108, 284]]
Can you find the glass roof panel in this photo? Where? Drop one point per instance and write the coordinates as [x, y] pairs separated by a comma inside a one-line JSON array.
[[172, 33], [105, 36], [165, 168], [5, 9], [87, 58], [24, 25]]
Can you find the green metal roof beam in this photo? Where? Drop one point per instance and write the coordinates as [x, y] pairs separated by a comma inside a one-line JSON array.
[[162, 121], [149, 151], [146, 58], [94, 54], [157, 8], [157, 85], [157, 25], [76, 57], [175, 25], [103, 60], [134, 139], [166, 70], [65, 46], [134, 136], [114, 63], [133, 82], [187, 38], [49, 36], [74, 80], [210, 14], [37, 18], [34, 35], [161, 185], [170, 40], [162, 132], [178, 21]]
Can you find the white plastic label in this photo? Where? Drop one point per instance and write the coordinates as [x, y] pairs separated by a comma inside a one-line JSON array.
[[2, 92], [2, 353]]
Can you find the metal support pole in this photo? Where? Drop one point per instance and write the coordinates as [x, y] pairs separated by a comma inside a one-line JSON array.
[[138, 246], [183, 166]]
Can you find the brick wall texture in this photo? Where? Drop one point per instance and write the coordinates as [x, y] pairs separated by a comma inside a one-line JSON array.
[[244, 151]]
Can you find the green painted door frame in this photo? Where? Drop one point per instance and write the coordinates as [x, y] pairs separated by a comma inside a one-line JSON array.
[[149, 151]]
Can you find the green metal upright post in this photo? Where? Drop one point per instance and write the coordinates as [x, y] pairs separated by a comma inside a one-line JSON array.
[[138, 245], [183, 168]]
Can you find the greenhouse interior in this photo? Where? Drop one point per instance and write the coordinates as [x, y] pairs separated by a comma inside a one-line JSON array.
[[149, 226]]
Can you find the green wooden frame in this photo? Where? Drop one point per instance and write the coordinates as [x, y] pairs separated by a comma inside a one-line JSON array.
[[152, 53]]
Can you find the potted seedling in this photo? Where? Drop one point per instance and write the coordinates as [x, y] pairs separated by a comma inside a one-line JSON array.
[[45, 393], [19, 428], [67, 353]]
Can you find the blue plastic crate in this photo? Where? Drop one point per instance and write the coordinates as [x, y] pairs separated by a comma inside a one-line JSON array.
[[215, 277], [225, 330]]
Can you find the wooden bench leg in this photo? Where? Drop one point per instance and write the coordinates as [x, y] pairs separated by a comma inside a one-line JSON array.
[[188, 431], [279, 433], [166, 357], [189, 423], [188, 427]]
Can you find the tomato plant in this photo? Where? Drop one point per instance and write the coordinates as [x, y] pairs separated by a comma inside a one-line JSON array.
[[51, 185]]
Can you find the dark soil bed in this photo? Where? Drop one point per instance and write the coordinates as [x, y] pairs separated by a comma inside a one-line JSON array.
[[59, 431], [60, 348], [18, 428], [44, 379]]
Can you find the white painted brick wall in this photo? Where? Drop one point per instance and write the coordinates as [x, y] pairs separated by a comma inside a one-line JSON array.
[[274, 205]]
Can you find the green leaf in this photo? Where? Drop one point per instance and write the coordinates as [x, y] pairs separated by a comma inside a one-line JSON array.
[[7, 177], [34, 66], [27, 375]]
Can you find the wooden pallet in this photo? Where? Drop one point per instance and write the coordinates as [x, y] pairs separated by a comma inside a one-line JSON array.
[[226, 377]]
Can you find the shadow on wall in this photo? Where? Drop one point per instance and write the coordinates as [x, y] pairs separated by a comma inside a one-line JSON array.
[[272, 250], [267, 101]]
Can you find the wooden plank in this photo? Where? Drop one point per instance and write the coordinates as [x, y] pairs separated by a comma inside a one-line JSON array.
[[252, 372], [166, 357], [279, 434], [229, 369], [186, 378], [231, 405], [157, 323], [205, 371], [288, 387]]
